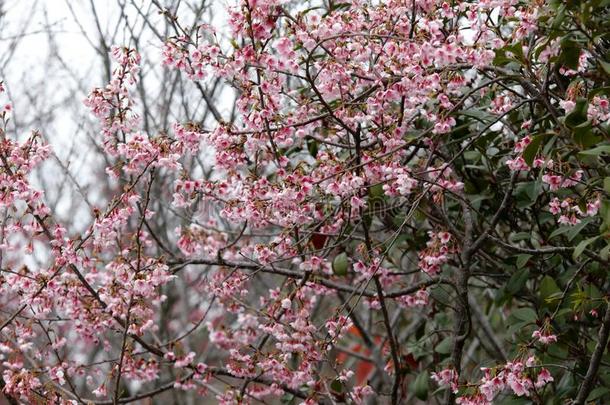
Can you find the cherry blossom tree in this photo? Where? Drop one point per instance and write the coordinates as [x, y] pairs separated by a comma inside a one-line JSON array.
[[409, 202]]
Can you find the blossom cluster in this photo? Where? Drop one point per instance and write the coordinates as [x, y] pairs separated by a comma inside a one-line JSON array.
[[437, 252], [370, 191], [522, 377]]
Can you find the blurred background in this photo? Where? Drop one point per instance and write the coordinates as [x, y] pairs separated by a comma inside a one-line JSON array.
[[54, 52]]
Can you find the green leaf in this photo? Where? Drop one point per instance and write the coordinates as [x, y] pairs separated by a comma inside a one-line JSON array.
[[605, 252], [559, 231], [530, 152], [559, 17], [584, 136], [444, 347], [582, 246], [517, 50], [527, 194], [525, 315], [558, 351], [512, 400], [472, 155], [576, 229], [597, 393], [547, 288], [517, 281], [340, 264], [338, 6], [605, 66], [336, 386], [376, 191], [602, 149], [501, 59], [421, 386], [607, 184], [522, 260], [578, 115], [604, 213], [572, 231], [599, 91], [477, 114], [312, 147], [570, 53], [520, 236]]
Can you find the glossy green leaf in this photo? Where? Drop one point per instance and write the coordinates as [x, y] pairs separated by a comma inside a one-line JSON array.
[[517, 281], [580, 248], [570, 53], [312, 147], [421, 386], [340, 264], [576, 229], [530, 152], [605, 66], [522, 260], [547, 288], [444, 347], [598, 393], [605, 252], [336, 386], [525, 315], [600, 150]]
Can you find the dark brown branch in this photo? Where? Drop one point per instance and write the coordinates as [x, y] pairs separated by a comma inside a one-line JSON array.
[[596, 358]]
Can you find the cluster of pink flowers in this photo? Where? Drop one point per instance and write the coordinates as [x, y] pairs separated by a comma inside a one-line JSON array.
[[338, 327], [569, 211], [181, 54], [521, 377], [21, 381], [185, 193], [599, 110], [19, 159], [557, 181], [502, 104], [95, 282], [403, 185], [544, 337], [447, 377], [437, 252], [419, 299], [582, 65], [113, 104], [519, 162], [443, 180], [189, 136]]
